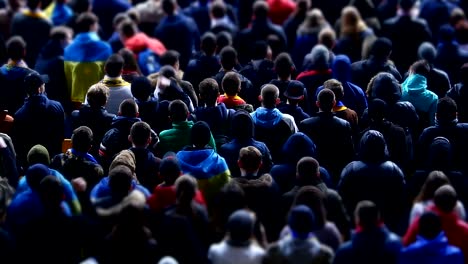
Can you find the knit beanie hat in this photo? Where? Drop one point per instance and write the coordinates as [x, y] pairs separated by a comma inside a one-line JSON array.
[[301, 221], [240, 226], [125, 158], [200, 134], [38, 154]]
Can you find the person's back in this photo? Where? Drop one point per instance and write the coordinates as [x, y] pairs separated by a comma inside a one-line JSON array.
[[458, 93]]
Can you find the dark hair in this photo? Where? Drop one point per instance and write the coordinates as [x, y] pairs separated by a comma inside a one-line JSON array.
[[169, 170], [140, 133], [208, 43], [313, 198], [130, 62], [51, 192], [97, 95], [434, 180], [242, 125], [284, 65], [406, 4], [80, 6], [16, 48], [127, 27], [429, 225], [445, 198], [170, 57], [446, 109], [120, 180], [200, 134], [209, 91], [231, 83], [367, 214], [178, 111], [60, 32], [377, 110], [223, 39], [141, 88], [218, 9], [421, 67], [381, 48], [228, 58], [128, 108], [336, 87], [326, 98], [114, 65], [34, 175], [230, 199], [85, 21], [169, 6], [307, 171], [82, 139], [33, 4], [260, 50], [260, 9], [250, 158], [186, 187], [120, 17]]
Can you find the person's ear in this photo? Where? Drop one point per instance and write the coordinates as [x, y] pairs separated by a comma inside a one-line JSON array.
[[130, 139], [278, 101], [239, 163], [260, 98], [119, 113], [317, 103], [334, 103], [137, 114]]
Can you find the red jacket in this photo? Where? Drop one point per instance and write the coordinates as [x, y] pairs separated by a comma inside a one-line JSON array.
[[455, 229], [165, 196], [140, 41], [280, 10]]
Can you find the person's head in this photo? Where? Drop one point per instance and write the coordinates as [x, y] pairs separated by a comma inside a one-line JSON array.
[[302, 6], [294, 92], [16, 48], [284, 65], [140, 134], [114, 65], [120, 180], [200, 134], [445, 198], [130, 62], [336, 87], [327, 37], [208, 43], [80, 6], [231, 83], [307, 171], [260, 50], [127, 28], [119, 18], [429, 225], [351, 21], [434, 180], [446, 110], [384, 86], [457, 15], [62, 34], [82, 139], [427, 51], [125, 158], [6, 195], [97, 95], [209, 91], [242, 125], [171, 58], [169, 7], [51, 192], [33, 4], [141, 88], [232, 198], [128, 108], [320, 57], [38, 154], [439, 155], [326, 100], [269, 96], [406, 5], [381, 48], [223, 39], [301, 221], [250, 159], [34, 175], [186, 188], [313, 198], [313, 19], [240, 227], [228, 58], [218, 9], [87, 22], [373, 148], [260, 9], [35, 83], [420, 67], [367, 215], [178, 111], [169, 169], [377, 110]]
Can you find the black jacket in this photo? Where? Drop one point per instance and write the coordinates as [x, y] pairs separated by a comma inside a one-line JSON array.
[[459, 93], [147, 167], [201, 68], [363, 71]]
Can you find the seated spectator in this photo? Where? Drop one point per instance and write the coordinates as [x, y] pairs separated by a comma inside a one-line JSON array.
[[116, 138], [308, 174], [372, 237], [301, 246], [458, 93], [295, 95], [272, 126], [147, 164], [176, 138], [242, 132], [431, 245], [437, 80], [184, 229], [373, 177], [231, 85], [94, 115], [332, 135], [239, 243], [216, 115], [456, 230], [424, 200], [340, 109], [203, 163]]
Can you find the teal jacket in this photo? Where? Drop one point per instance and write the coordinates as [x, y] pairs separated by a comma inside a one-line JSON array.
[[414, 89]]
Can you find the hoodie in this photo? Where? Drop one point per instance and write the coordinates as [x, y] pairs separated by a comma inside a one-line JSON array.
[[432, 251], [414, 90], [209, 168], [140, 42], [269, 118]]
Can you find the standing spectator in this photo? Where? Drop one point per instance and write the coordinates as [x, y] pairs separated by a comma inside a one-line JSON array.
[[340, 109], [85, 57], [6, 16], [279, 10], [231, 85], [34, 27], [38, 121], [59, 12], [450, 57], [458, 93], [295, 94], [199, 11], [188, 36], [436, 13], [437, 80], [106, 11], [296, 18]]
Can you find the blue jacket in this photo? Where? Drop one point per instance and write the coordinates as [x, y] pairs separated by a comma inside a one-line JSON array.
[[433, 251], [106, 10], [414, 89], [102, 190]]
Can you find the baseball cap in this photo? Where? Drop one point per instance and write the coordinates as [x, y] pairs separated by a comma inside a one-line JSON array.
[[34, 80], [295, 90]]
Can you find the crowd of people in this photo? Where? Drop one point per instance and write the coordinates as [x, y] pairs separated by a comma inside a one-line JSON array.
[[226, 131]]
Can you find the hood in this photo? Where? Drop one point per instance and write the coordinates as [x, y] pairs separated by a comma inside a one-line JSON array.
[[385, 87], [264, 181], [39, 101], [440, 154], [415, 84], [140, 41], [430, 247], [373, 148], [341, 68], [370, 240], [122, 121], [201, 164], [135, 199], [242, 125], [53, 48], [297, 146], [267, 117]]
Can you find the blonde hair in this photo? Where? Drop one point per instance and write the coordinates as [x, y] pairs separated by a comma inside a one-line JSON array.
[[351, 21]]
